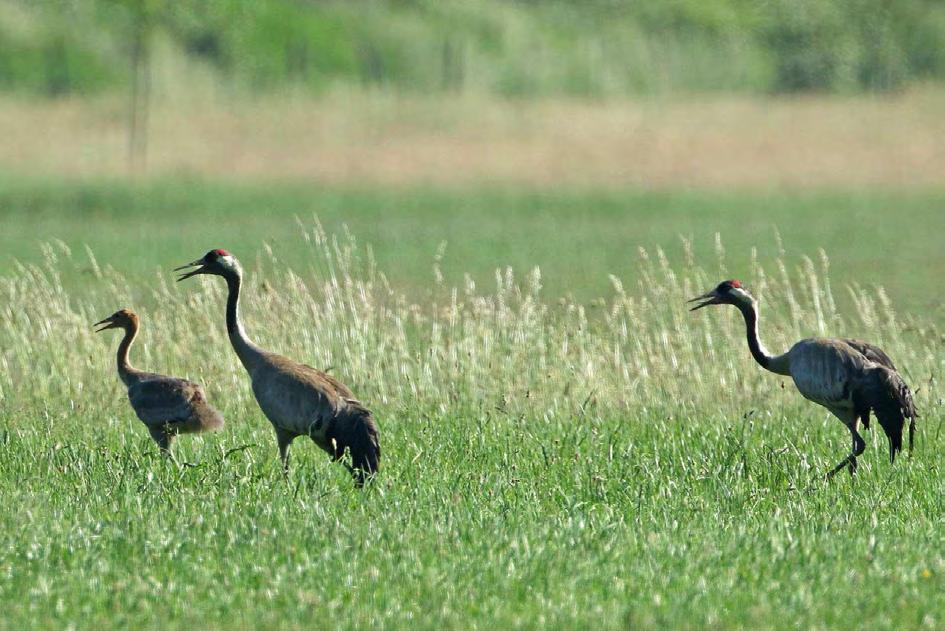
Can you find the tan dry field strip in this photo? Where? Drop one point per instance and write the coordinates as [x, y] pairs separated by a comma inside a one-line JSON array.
[[375, 138]]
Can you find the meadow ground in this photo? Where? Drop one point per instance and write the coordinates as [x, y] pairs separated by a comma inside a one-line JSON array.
[[559, 447], [545, 461]]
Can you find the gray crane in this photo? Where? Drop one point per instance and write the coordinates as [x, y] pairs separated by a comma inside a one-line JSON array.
[[850, 378], [168, 406], [297, 399]]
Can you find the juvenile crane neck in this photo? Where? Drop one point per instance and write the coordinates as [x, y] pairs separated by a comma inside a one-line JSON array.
[[775, 363], [245, 349], [126, 371]]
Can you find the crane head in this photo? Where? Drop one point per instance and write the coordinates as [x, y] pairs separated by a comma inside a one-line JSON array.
[[218, 262], [728, 292], [119, 320]]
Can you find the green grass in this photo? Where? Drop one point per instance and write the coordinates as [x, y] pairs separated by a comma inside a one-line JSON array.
[[577, 238], [545, 462], [480, 518]]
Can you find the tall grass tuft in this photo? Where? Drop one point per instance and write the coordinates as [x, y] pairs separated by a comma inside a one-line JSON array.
[[469, 347]]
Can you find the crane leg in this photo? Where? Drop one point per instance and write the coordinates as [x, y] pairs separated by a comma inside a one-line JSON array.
[[284, 439], [911, 434], [163, 439], [850, 461]]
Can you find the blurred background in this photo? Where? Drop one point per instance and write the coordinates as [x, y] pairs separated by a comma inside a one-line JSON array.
[[479, 134]]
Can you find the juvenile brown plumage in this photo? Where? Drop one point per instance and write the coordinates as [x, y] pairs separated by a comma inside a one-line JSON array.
[[297, 399], [850, 378], [168, 406]]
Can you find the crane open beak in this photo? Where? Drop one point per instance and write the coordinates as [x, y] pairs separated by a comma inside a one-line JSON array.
[[199, 270], [710, 298], [108, 322]]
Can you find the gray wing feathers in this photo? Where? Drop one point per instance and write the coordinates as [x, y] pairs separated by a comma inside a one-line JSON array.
[[884, 391], [170, 401], [339, 388], [880, 388], [873, 353]]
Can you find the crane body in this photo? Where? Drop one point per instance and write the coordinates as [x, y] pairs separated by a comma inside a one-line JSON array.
[[168, 406], [851, 378], [297, 399]]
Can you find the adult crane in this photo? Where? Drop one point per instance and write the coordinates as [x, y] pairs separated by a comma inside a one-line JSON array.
[[168, 406], [297, 399], [849, 377]]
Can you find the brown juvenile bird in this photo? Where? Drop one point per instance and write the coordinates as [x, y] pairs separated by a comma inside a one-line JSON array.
[[297, 399], [850, 378], [168, 406]]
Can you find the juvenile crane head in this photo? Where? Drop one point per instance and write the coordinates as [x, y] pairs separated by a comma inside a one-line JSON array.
[[216, 262], [124, 319], [728, 292]]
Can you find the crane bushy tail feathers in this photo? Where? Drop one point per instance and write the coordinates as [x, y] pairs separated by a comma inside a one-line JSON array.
[[884, 391], [208, 418], [356, 431]]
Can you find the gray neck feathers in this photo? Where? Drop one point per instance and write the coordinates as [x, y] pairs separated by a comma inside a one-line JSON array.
[[245, 349]]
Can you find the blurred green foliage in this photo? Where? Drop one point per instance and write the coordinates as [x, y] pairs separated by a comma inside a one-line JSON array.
[[52, 64], [506, 47]]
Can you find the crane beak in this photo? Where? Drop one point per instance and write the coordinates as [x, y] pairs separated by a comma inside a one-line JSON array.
[[199, 270], [710, 298], [108, 322]]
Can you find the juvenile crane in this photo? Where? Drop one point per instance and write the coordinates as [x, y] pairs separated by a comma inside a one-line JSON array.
[[848, 377], [168, 406], [297, 399]]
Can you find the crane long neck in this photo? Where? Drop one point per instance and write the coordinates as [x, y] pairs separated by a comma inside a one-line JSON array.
[[126, 371], [245, 349], [775, 363]]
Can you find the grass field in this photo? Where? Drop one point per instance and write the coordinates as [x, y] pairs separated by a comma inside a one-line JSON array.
[[504, 284], [610, 462], [486, 218]]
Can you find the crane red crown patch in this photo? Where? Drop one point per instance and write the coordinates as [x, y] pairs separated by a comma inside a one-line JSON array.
[[735, 284], [221, 252]]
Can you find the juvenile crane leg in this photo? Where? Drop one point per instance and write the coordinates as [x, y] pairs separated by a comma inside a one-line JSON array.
[[858, 446], [163, 440]]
